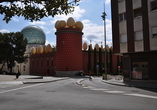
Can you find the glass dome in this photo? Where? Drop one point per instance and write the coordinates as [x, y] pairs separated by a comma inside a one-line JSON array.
[[34, 35]]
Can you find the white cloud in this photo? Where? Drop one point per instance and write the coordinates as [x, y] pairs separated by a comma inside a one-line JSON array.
[[107, 1], [51, 43], [46, 30], [77, 14], [95, 32], [15, 19], [42, 27], [4, 31], [37, 23], [92, 31]]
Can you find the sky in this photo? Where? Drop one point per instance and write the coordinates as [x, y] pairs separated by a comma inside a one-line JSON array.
[[89, 12]]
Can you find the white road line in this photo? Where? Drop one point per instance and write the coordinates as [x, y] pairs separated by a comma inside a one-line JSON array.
[[89, 87], [114, 92], [20, 88], [118, 92], [99, 89], [142, 95]]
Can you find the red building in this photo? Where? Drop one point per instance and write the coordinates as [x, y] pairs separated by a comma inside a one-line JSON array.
[[69, 58]]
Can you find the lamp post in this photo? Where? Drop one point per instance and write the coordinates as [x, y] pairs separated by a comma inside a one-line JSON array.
[[104, 19]]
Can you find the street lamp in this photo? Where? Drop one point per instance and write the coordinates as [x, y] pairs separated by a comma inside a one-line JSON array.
[[104, 17]]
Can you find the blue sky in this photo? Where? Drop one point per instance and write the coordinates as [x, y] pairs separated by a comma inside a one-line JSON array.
[[88, 12]]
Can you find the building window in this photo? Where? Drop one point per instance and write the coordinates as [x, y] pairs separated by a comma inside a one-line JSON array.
[[138, 12], [42, 63], [120, 0], [52, 62], [154, 32], [140, 70], [155, 35], [153, 5], [32, 63], [138, 35], [37, 63], [47, 62], [123, 38], [122, 17]]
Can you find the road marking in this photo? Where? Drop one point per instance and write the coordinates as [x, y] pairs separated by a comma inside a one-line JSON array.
[[21, 88], [99, 89], [114, 92], [90, 87], [142, 95]]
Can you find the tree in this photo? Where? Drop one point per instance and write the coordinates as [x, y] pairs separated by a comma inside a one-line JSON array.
[[4, 47], [15, 49], [34, 10]]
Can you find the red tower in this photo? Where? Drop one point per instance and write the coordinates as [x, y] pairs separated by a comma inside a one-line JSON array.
[[69, 51]]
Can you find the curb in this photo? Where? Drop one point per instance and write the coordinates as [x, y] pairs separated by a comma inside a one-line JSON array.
[[27, 82], [118, 84], [128, 85], [79, 82], [11, 82]]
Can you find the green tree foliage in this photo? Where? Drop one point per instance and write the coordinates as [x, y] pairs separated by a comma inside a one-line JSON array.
[[15, 48], [4, 48], [34, 10]]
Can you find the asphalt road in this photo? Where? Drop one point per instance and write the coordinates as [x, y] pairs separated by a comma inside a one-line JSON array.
[[67, 95]]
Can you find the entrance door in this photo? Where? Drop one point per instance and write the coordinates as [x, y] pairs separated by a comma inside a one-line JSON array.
[[139, 70]]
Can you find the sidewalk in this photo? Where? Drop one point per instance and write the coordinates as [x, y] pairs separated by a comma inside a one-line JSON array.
[[28, 79], [132, 83]]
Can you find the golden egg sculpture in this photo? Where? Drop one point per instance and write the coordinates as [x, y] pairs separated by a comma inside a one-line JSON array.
[[79, 24], [91, 48], [97, 47], [48, 48], [84, 46], [107, 48], [57, 24], [33, 50], [44, 49], [37, 50], [40, 49], [70, 22], [61, 24], [111, 48], [102, 49]]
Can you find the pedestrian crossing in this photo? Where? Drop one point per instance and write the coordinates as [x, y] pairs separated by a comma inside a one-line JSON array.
[[115, 91], [104, 90], [119, 92]]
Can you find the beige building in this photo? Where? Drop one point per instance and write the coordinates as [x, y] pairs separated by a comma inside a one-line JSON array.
[[36, 37]]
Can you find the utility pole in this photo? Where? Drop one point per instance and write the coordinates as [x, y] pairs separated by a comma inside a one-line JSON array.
[[104, 19]]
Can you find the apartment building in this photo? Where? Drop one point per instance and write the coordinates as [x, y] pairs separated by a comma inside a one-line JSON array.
[[134, 31]]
